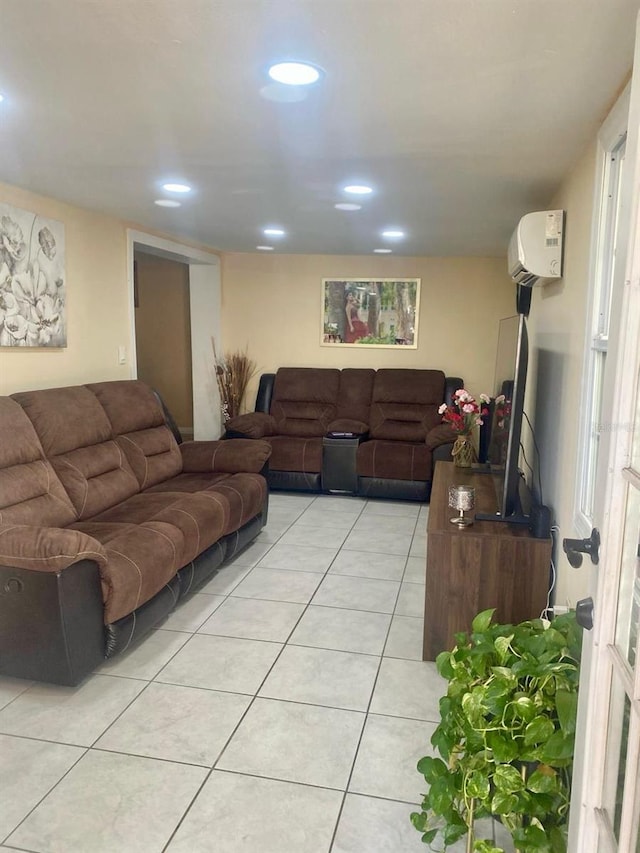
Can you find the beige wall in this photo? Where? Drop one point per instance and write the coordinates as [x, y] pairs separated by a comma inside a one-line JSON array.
[[97, 302], [557, 326], [271, 305], [163, 333]]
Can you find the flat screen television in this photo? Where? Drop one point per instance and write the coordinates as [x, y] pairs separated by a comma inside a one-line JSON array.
[[503, 451]]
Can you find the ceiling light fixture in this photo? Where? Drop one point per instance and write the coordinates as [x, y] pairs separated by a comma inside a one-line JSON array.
[[294, 73], [167, 202], [273, 232], [358, 189], [265, 248], [176, 188], [1, 97], [382, 251], [393, 234], [346, 206]]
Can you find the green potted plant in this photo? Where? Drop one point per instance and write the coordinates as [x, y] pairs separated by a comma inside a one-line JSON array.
[[506, 735]]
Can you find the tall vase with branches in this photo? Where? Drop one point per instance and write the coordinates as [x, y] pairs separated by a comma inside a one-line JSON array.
[[233, 372]]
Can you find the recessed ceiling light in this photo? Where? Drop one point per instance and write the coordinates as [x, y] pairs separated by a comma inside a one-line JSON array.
[[358, 189], [382, 251], [176, 188], [273, 232], [393, 234], [265, 248], [294, 73], [1, 97], [167, 202], [347, 206]]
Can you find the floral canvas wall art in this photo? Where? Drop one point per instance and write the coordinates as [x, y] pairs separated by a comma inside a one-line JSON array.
[[32, 280]]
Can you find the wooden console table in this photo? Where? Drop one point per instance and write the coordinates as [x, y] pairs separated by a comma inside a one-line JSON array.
[[489, 564]]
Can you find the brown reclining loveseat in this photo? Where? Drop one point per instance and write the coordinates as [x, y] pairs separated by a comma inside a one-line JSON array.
[[375, 433], [106, 522]]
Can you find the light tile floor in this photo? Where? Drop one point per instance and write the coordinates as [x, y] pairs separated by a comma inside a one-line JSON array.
[[283, 707]]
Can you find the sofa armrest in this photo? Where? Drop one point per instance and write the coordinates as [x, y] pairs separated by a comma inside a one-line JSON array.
[[47, 549], [225, 457], [438, 435], [252, 425], [348, 425]]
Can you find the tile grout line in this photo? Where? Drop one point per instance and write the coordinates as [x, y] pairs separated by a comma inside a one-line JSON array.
[[364, 725], [233, 732], [192, 632]]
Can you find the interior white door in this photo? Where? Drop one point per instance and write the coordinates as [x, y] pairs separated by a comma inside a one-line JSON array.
[[605, 808]]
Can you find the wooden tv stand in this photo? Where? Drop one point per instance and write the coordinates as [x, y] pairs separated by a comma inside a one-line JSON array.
[[488, 564]]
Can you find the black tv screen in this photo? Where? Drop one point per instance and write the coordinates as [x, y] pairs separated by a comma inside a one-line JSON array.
[[506, 426]]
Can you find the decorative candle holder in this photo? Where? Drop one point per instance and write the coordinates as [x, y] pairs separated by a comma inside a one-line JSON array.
[[462, 498]]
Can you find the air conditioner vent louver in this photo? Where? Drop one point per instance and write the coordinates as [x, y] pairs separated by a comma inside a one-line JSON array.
[[536, 248]]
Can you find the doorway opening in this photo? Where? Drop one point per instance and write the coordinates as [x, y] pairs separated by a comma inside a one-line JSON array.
[[163, 333], [180, 289]]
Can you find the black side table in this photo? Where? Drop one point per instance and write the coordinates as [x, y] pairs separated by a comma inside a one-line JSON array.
[[339, 461]]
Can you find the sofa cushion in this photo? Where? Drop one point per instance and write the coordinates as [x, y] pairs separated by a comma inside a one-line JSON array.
[[354, 395], [405, 403], [195, 482], [152, 453], [77, 438], [96, 477], [228, 457], [395, 460], [245, 494], [65, 418], [137, 420], [304, 400], [202, 517], [30, 491], [295, 454], [130, 405]]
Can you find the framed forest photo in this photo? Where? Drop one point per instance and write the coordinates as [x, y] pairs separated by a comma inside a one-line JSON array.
[[365, 312]]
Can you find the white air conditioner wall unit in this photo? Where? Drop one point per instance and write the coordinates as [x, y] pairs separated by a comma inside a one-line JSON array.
[[536, 248]]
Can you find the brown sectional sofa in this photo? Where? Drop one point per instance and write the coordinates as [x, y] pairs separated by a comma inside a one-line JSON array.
[[370, 432], [106, 522]]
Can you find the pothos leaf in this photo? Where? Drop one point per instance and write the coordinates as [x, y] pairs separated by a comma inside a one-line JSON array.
[[538, 730], [444, 665], [567, 708], [557, 748], [503, 647], [477, 785], [482, 621], [504, 749], [504, 803], [428, 836], [507, 779], [544, 780]]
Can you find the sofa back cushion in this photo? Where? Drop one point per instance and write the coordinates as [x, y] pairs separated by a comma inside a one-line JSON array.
[[77, 438], [137, 420], [404, 405], [304, 400], [30, 491], [354, 398]]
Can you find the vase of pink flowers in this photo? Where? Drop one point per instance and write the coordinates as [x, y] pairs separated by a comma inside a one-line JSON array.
[[463, 415]]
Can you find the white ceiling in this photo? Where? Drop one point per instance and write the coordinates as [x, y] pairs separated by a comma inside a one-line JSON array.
[[463, 114]]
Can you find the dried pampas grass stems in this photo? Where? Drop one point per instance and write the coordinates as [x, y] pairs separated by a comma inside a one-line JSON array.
[[233, 372]]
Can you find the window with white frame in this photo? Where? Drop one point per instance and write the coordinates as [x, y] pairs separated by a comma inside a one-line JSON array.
[[606, 269]]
